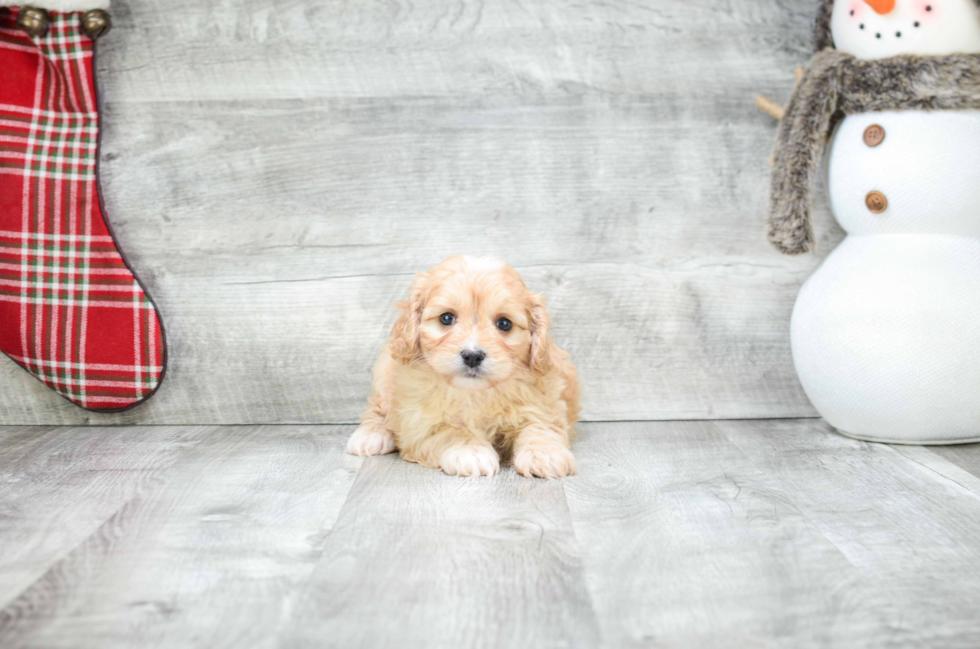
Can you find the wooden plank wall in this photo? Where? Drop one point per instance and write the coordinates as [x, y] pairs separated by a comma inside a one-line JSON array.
[[277, 170]]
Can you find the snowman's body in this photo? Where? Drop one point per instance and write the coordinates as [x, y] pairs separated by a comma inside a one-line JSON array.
[[886, 334]]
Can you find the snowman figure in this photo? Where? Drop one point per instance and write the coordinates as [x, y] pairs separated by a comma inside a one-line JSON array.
[[886, 333]]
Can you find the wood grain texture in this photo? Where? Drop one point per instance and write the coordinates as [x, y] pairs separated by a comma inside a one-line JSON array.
[[708, 534], [422, 559], [277, 171], [61, 484], [688, 542], [209, 554], [772, 534], [908, 529], [966, 456], [255, 49]]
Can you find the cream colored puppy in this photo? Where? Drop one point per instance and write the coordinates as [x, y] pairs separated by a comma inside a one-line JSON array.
[[470, 373]]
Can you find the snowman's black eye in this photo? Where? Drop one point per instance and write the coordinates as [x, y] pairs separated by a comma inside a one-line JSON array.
[[504, 324], [928, 7], [447, 319], [852, 12]]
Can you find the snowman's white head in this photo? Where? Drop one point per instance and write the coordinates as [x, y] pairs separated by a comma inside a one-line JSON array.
[[878, 29]]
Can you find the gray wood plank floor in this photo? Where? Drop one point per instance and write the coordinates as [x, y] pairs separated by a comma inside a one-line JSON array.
[[276, 170], [701, 533]]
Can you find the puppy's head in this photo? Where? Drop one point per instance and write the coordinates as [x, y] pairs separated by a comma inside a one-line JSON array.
[[473, 322]]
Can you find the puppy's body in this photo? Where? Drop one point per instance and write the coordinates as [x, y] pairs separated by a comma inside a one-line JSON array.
[[457, 396], [421, 403]]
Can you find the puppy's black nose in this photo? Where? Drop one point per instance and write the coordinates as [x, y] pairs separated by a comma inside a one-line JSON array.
[[472, 358]]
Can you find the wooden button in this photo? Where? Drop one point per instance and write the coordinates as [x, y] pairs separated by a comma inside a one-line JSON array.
[[34, 21], [874, 135], [876, 202]]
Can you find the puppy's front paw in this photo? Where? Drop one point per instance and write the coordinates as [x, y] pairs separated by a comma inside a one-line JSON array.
[[544, 461], [470, 461], [371, 440]]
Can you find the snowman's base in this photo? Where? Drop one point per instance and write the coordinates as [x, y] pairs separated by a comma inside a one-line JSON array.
[[885, 338], [906, 442]]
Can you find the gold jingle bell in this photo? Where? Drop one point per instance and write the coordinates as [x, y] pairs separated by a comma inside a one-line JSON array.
[[96, 23], [34, 21]]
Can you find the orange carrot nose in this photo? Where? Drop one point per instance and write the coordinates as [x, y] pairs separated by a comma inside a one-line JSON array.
[[882, 6]]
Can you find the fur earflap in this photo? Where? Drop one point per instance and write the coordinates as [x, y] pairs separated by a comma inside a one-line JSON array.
[[822, 38], [838, 84]]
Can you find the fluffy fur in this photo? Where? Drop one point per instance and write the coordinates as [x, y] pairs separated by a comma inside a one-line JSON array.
[[61, 6], [822, 37], [521, 402], [838, 84]]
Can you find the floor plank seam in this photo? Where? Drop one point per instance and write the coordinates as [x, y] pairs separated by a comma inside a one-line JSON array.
[[581, 557]]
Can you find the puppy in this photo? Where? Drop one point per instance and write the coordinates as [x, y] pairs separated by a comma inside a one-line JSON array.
[[470, 373]]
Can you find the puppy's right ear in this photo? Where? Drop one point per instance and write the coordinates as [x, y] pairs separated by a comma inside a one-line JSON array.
[[404, 344]]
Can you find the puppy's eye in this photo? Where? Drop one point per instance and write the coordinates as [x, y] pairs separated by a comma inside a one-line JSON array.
[[504, 324], [447, 319]]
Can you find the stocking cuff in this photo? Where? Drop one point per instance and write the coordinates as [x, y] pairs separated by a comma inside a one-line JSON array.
[[61, 6]]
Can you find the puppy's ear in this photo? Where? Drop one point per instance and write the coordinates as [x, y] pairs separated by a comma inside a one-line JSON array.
[[540, 359], [404, 344]]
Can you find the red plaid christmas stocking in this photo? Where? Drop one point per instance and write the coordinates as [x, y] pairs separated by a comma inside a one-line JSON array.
[[71, 311]]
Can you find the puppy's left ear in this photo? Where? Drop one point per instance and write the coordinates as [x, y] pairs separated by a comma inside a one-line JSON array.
[[404, 343], [540, 357]]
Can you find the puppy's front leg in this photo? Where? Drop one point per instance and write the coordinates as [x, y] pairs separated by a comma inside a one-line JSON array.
[[372, 437], [456, 451], [541, 450]]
